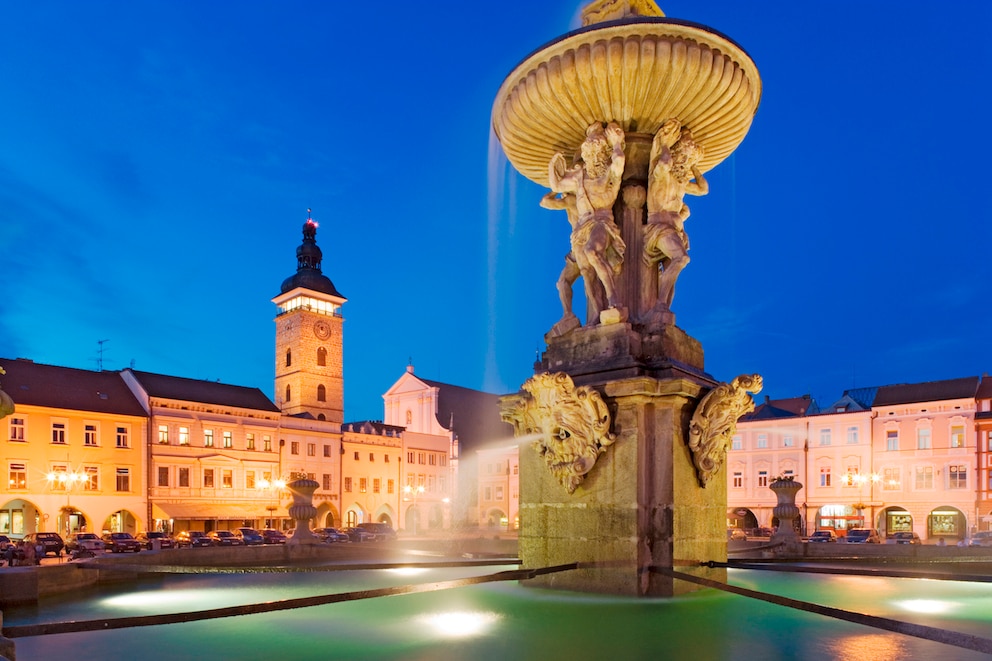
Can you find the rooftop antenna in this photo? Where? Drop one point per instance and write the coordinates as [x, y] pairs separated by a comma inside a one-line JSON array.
[[99, 360]]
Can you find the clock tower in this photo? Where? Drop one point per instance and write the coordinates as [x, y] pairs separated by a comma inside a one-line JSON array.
[[309, 347]]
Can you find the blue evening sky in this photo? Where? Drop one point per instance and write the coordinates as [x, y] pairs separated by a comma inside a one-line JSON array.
[[157, 160]]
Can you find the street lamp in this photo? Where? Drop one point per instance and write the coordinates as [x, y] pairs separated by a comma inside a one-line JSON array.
[[65, 480], [414, 491], [861, 480], [276, 486]]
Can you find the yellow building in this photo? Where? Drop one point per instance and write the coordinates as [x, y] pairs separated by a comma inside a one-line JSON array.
[[73, 452]]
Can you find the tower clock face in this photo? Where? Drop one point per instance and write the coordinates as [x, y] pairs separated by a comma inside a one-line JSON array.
[[322, 329]]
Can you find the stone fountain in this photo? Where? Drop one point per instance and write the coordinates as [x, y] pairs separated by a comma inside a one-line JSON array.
[[621, 119]]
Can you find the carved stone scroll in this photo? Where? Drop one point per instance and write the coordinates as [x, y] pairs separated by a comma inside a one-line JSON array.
[[714, 423], [571, 425]]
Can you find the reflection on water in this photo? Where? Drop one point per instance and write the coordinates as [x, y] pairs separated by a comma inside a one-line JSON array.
[[507, 621]]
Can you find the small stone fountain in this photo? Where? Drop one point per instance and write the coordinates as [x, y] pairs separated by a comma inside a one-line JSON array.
[[786, 539], [302, 510]]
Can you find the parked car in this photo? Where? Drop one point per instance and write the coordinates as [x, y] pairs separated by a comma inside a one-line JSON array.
[[249, 536], [164, 541], [823, 536], [863, 536], [84, 541], [904, 538], [983, 538], [192, 539], [121, 542], [51, 541], [224, 538], [383, 531], [736, 535], [331, 535], [359, 534], [4, 542], [273, 536]]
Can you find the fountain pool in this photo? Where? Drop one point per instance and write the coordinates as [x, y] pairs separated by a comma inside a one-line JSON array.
[[507, 620]]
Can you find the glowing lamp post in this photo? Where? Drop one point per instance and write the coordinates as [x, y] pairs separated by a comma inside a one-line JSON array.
[[861, 480], [414, 491], [65, 480], [276, 486]]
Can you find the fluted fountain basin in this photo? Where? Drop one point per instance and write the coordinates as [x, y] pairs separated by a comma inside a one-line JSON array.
[[637, 72]]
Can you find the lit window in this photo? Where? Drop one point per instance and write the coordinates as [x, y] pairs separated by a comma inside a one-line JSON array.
[[227, 478], [825, 476], [184, 436], [294, 447], [957, 477], [363, 484], [957, 436], [923, 439], [311, 449], [376, 485], [18, 477], [249, 479], [163, 434], [267, 443], [228, 439], [347, 484], [891, 479], [924, 477], [208, 438], [92, 482], [208, 478], [249, 441], [123, 480], [390, 486]]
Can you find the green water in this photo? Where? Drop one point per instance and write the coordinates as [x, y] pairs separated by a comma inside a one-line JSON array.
[[508, 621]]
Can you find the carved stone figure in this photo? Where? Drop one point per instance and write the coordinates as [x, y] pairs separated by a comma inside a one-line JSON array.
[[6, 403], [595, 182], [714, 423], [571, 425], [672, 172]]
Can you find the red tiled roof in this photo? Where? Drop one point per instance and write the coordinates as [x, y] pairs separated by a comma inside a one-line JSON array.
[[931, 391]]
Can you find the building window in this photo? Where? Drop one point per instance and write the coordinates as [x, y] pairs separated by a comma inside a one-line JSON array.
[[321, 393], [294, 447], [184, 436], [422, 458], [432, 459], [924, 477], [208, 478], [321, 356], [92, 482], [892, 441], [227, 478], [163, 434], [487, 493], [957, 477], [326, 484], [228, 439], [347, 484], [787, 442], [89, 435], [363, 484], [762, 441], [163, 476], [957, 436], [17, 429], [891, 479], [208, 438], [762, 478], [184, 477], [410, 457], [249, 441], [738, 480], [923, 439], [737, 443], [58, 433], [371, 456], [123, 480], [311, 449], [289, 393], [852, 435], [444, 460], [788, 474], [289, 359], [327, 450], [267, 443], [376, 485], [18, 477], [825, 476], [249, 479], [390, 486], [824, 437]]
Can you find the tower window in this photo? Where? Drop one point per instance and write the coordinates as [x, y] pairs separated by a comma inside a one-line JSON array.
[[289, 357], [289, 393], [322, 356], [321, 393]]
